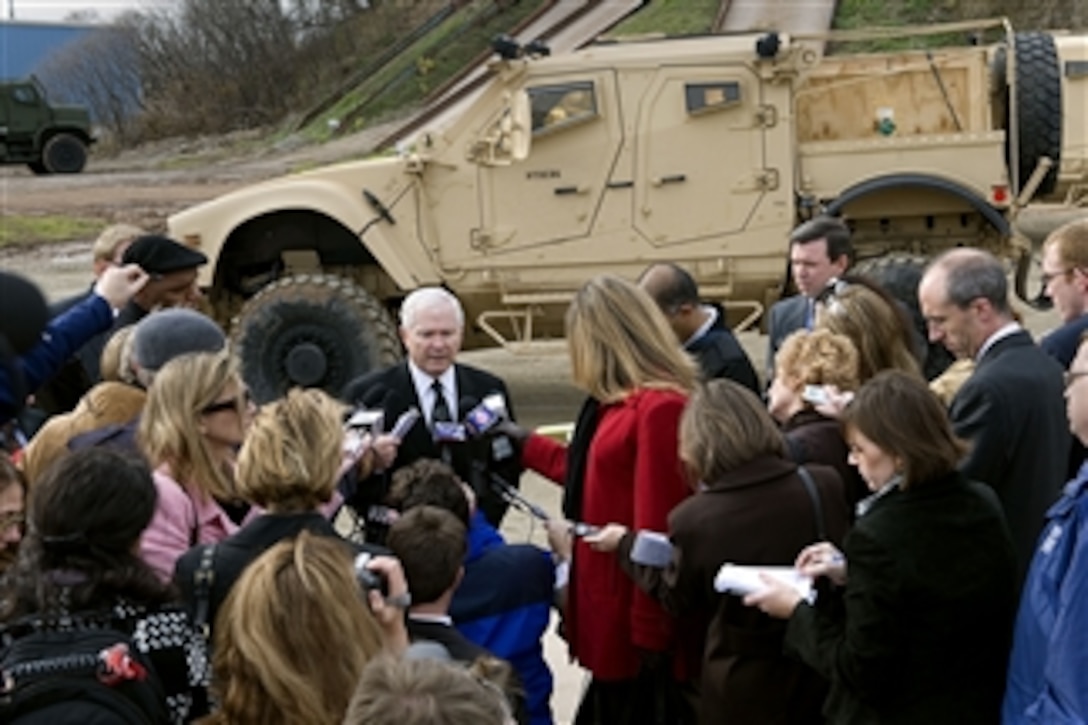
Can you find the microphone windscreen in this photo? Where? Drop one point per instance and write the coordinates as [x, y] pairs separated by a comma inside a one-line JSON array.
[[23, 312]]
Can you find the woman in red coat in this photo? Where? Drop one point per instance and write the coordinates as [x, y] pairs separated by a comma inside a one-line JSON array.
[[621, 466]]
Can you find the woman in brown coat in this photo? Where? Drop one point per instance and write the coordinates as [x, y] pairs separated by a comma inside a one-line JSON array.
[[752, 508]]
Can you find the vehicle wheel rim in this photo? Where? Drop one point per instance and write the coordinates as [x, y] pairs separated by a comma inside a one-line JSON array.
[[306, 364]]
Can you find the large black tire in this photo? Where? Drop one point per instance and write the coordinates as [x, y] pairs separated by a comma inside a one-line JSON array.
[[64, 154], [311, 331], [900, 274], [1038, 104]]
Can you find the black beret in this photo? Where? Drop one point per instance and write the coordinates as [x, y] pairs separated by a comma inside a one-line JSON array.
[[157, 254]]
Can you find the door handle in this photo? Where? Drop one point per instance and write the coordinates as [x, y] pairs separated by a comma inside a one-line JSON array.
[[670, 179], [571, 190]]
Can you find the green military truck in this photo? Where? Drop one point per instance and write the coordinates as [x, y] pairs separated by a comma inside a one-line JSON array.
[[50, 139]]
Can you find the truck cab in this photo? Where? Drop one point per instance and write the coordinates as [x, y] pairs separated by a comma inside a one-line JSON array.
[[47, 138]]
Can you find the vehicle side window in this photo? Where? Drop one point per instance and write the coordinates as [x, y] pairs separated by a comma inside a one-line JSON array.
[[25, 94], [705, 97], [562, 106]]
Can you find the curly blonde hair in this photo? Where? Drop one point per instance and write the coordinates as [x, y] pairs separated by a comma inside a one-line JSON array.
[[293, 637], [819, 357]]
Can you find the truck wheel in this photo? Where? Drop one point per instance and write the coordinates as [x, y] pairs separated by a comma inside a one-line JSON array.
[[1038, 105], [900, 274], [311, 331], [64, 154]]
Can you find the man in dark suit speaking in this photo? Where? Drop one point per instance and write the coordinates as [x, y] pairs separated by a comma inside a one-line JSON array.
[[443, 391]]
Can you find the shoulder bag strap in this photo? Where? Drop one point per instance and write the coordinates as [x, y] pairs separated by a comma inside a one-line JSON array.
[[817, 505], [203, 578]]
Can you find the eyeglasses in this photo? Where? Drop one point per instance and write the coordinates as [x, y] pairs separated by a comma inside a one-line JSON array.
[[15, 518], [1071, 376], [1047, 277], [237, 403]]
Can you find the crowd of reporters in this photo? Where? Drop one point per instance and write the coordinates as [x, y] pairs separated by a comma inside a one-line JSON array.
[[268, 563]]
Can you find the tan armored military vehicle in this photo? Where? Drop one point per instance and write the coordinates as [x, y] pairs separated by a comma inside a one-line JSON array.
[[705, 151]]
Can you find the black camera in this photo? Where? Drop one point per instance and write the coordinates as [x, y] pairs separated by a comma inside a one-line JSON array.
[[368, 579]]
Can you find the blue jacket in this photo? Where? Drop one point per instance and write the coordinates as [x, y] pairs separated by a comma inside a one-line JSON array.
[[60, 340], [504, 605], [1048, 670]]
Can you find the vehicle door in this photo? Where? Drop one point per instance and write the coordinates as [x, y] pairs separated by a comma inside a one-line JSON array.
[[25, 111], [554, 194], [701, 168]]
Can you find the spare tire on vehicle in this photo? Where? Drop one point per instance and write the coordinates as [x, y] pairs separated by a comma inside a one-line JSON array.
[[899, 275], [1038, 104], [64, 154], [311, 331]]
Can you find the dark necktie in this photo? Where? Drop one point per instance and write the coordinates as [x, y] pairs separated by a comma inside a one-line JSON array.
[[440, 412]]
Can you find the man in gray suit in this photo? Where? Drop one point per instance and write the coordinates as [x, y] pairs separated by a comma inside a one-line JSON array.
[[820, 251], [1010, 410]]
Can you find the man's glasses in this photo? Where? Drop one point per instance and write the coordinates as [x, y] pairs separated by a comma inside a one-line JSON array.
[[1047, 277], [237, 403]]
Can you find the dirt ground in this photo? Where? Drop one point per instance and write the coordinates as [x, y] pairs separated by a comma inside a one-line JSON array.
[[144, 186]]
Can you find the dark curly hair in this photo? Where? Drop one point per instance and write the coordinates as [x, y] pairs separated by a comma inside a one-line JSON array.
[[85, 519]]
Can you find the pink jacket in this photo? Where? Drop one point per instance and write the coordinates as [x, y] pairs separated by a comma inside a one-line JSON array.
[[181, 518]]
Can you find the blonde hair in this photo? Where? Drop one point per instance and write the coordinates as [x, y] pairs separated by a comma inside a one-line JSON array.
[[105, 246], [819, 357], [619, 340], [292, 452], [875, 326], [116, 354], [170, 426], [293, 637], [723, 427], [1071, 241]]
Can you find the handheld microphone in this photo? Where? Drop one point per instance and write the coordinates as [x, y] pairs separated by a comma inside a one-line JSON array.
[[514, 497], [368, 413], [483, 417], [446, 432]]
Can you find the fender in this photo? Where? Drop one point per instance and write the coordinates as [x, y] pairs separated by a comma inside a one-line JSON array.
[[897, 181], [335, 192]]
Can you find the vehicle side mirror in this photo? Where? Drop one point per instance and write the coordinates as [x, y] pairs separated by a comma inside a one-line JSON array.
[[509, 138]]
